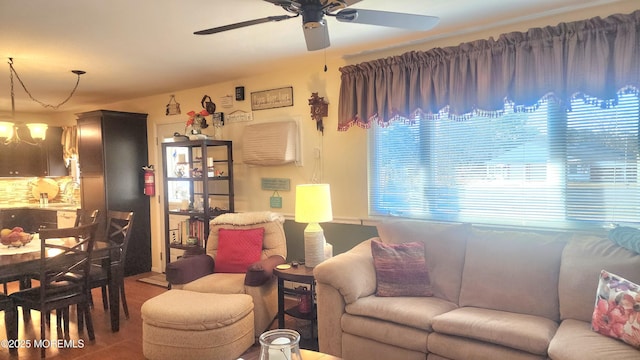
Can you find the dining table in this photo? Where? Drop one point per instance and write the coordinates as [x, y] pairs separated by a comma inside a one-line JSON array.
[[20, 263]]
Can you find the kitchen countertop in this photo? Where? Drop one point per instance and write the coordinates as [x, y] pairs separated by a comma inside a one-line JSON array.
[[50, 206]]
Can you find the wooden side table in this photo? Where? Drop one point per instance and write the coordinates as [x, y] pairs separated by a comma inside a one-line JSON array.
[[304, 275]]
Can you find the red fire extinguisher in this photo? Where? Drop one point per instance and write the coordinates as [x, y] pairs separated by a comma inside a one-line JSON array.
[[149, 180]]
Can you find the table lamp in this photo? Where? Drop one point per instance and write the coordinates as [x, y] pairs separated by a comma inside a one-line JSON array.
[[313, 206]]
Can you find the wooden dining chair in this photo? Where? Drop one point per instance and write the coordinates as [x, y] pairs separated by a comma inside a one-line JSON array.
[[10, 321], [62, 251], [84, 216], [118, 233]]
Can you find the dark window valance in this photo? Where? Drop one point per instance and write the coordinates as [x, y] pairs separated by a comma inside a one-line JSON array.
[[598, 57]]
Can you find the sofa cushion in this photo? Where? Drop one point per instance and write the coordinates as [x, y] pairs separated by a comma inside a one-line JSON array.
[[459, 348], [582, 260], [417, 312], [617, 310], [384, 332], [237, 249], [575, 340], [444, 250], [401, 269], [518, 331], [515, 271]]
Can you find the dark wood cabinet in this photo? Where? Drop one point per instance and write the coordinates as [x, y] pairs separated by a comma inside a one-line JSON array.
[[31, 220], [23, 159], [112, 149], [53, 153]]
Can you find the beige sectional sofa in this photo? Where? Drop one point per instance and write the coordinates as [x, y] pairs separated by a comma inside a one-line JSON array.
[[497, 294]]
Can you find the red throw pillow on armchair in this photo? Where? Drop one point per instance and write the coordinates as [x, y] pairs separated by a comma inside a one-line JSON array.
[[237, 249]]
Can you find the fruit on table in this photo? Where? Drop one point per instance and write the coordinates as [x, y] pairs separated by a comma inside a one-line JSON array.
[[5, 240], [14, 237]]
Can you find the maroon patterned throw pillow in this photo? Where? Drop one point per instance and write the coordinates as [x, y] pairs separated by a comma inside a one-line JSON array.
[[401, 269]]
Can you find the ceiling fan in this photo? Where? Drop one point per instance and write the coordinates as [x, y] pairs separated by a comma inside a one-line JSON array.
[[314, 24]]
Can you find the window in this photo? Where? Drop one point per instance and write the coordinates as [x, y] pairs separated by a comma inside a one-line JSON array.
[[548, 167]]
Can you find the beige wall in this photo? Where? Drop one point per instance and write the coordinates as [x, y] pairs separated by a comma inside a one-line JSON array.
[[343, 154]]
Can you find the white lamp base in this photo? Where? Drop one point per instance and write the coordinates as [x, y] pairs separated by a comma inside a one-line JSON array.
[[313, 245]]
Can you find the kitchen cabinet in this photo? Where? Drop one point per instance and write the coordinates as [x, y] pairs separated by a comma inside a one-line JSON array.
[[24, 160], [31, 220], [198, 186], [66, 219], [53, 155], [112, 149]]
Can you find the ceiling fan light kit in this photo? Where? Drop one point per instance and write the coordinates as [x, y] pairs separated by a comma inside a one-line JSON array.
[[314, 24]]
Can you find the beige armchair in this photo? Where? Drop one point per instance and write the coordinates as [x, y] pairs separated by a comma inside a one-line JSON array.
[[198, 272]]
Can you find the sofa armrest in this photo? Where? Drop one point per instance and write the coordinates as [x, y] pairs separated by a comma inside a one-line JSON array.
[[260, 272], [351, 273], [187, 269], [339, 281]]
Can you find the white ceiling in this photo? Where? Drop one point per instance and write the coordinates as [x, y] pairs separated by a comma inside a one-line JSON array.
[[135, 48]]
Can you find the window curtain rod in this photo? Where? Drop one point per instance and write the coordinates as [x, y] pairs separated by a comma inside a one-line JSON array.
[[598, 57]]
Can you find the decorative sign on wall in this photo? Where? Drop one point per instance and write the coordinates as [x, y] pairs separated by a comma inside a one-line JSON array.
[[173, 107], [275, 201], [269, 99], [276, 184]]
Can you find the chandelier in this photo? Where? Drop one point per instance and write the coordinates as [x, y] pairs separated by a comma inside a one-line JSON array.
[[38, 131]]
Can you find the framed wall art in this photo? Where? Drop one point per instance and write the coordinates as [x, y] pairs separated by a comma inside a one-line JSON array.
[[274, 98]]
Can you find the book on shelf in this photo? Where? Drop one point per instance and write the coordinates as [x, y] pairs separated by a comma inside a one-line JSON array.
[[192, 228]]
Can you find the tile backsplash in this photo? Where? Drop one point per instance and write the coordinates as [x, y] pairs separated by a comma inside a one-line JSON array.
[[19, 191]]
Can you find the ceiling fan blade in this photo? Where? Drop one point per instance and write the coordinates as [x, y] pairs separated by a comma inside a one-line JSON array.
[[243, 24], [387, 18], [317, 37]]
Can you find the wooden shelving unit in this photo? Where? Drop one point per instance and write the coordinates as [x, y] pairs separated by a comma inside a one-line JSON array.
[[198, 186]]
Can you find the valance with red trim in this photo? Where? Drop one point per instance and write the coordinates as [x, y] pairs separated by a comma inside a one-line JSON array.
[[597, 57]]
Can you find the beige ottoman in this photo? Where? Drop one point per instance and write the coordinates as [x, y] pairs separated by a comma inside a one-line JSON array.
[[181, 324]]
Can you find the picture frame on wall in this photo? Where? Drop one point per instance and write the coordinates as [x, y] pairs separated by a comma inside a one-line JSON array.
[[270, 99]]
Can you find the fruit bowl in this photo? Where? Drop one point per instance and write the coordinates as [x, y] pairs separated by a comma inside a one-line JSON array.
[[15, 237]]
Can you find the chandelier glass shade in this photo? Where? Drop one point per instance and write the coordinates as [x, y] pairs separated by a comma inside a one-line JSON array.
[[9, 133], [38, 131], [6, 130]]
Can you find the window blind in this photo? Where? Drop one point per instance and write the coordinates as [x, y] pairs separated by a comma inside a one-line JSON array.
[[546, 167]]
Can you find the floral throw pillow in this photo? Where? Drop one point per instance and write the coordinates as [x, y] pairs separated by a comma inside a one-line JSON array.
[[617, 309], [401, 269]]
